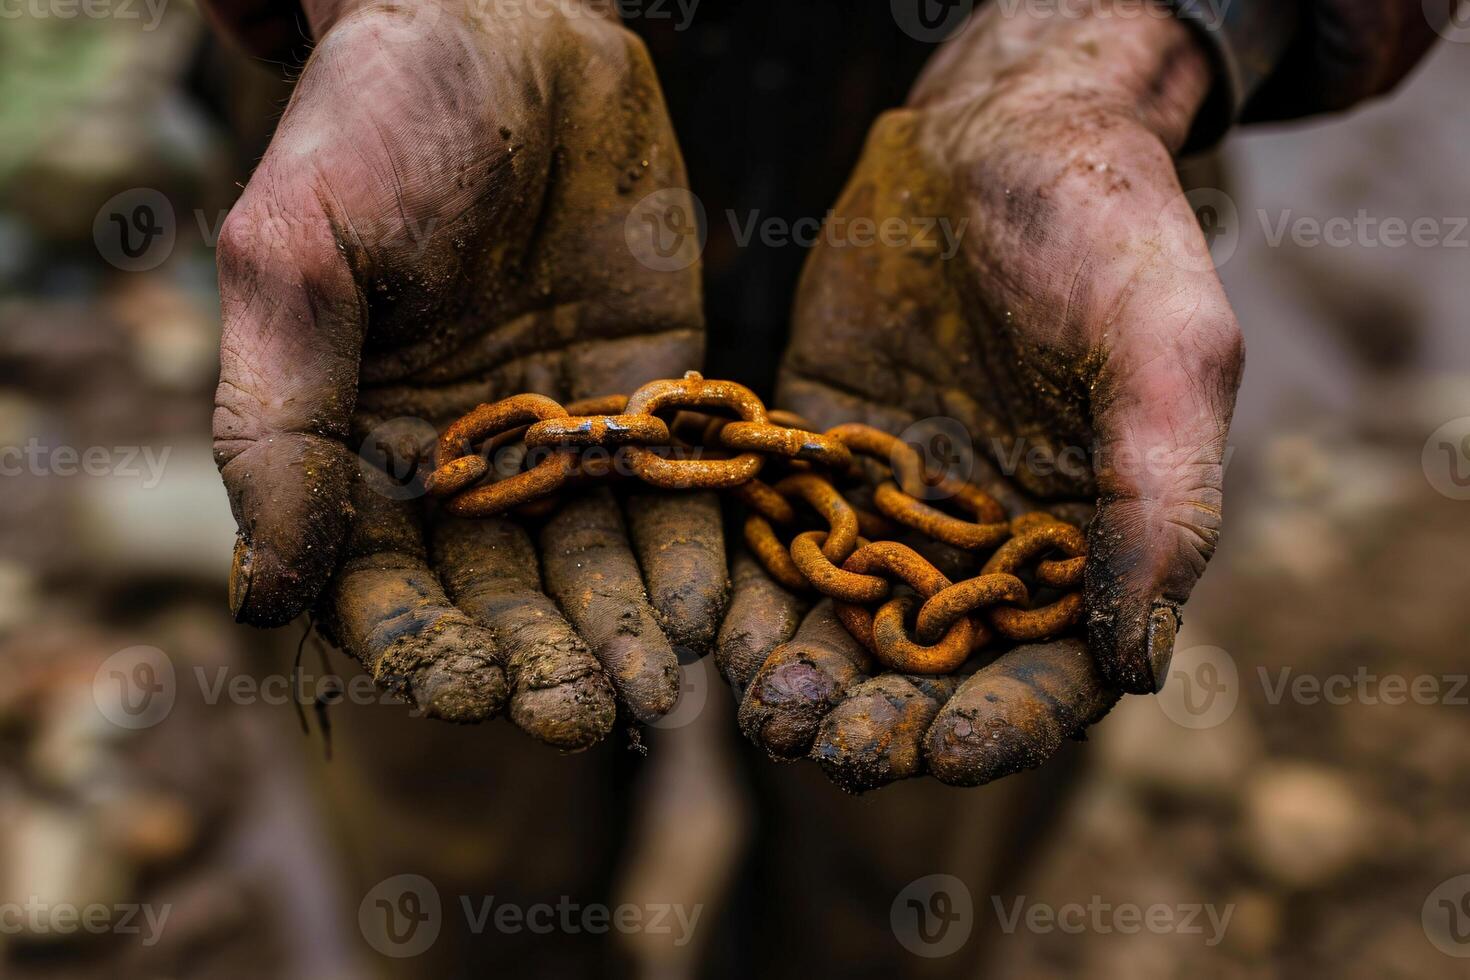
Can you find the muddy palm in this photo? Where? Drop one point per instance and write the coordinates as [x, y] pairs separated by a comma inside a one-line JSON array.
[[449, 213], [1078, 335]]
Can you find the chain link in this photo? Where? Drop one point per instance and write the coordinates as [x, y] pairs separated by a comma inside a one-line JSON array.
[[849, 559]]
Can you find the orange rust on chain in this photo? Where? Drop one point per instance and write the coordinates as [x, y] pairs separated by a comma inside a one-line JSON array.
[[761, 538], [1030, 625], [946, 607], [1034, 541], [1037, 538], [762, 498], [827, 578], [1063, 573], [898, 561], [864, 440], [601, 405], [825, 500], [598, 430], [485, 421], [693, 392], [541, 480], [775, 440], [692, 474], [712, 419], [893, 560], [455, 475], [969, 535], [891, 643]]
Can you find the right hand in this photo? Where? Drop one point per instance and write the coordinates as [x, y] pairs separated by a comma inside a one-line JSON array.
[[1075, 318], [450, 212]]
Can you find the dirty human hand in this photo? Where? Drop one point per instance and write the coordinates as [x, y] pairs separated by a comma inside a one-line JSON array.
[[442, 219], [1050, 291]]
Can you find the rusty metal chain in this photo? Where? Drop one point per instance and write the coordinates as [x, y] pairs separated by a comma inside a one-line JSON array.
[[849, 557]]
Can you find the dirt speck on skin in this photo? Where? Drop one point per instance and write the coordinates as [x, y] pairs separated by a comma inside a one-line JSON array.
[[875, 735], [1014, 713], [799, 683], [680, 543]]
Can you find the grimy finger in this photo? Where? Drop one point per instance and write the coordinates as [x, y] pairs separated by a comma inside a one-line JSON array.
[[1161, 406], [386, 608], [799, 683], [681, 548], [291, 338], [875, 735], [559, 693], [592, 574], [1014, 713], [762, 616]]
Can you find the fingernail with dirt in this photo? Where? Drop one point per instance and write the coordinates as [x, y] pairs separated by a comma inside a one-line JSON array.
[[240, 569], [1163, 625]]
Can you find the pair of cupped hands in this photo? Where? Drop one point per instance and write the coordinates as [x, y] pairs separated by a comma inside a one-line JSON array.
[[449, 214]]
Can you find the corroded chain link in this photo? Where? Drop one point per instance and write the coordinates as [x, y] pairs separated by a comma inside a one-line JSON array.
[[693, 433]]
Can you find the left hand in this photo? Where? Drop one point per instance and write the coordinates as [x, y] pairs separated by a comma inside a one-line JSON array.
[[1077, 319]]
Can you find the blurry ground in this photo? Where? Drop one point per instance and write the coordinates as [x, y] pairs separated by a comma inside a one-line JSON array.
[[1322, 827]]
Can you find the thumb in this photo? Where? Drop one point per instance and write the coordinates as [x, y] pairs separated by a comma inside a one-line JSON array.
[[1161, 413], [292, 336]]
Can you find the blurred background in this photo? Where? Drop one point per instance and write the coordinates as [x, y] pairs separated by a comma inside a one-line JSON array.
[[183, 797]]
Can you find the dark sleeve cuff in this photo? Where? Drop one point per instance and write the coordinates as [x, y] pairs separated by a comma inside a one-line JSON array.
[[1246, 40]]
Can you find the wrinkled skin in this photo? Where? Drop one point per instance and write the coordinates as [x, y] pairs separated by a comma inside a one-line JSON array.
[[442, 219], [1080, 312]]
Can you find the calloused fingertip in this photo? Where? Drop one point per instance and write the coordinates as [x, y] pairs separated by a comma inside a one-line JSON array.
[[788, 699], [465, 689], [292, 500], [875, 735], [589, 569], [1015, 713], [799, 683], [680, 543], [571, 716], [762, 616]]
